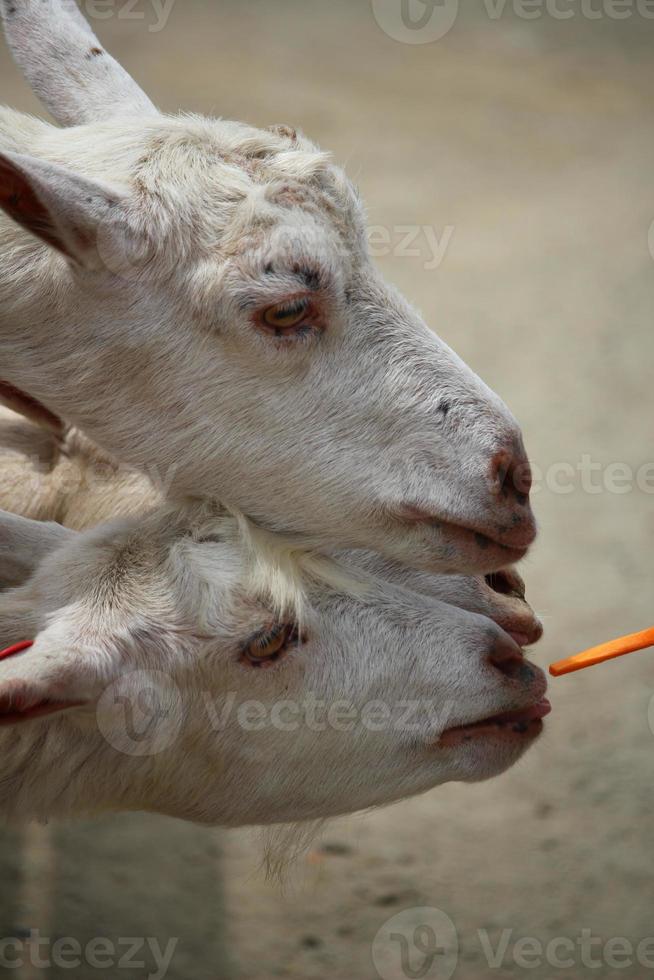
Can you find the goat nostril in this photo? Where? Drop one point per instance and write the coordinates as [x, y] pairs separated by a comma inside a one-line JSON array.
[[511, 476], [522, 479], [507, 657], [507, 582]]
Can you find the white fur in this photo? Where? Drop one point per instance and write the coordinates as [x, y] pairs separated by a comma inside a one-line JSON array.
[[140, 321], [162, 605]]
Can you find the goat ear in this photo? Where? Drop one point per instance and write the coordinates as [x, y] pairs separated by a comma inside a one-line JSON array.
[[61, 208], [23, 546], [66, 65]]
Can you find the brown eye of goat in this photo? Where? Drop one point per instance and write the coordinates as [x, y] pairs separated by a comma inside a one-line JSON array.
[[271, 644], [287, 316]]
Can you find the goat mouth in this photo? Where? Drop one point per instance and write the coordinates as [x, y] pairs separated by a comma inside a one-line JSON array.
[[473, 540], [525, 723]]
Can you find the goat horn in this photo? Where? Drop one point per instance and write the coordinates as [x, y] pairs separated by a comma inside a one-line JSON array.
[[69, 70]]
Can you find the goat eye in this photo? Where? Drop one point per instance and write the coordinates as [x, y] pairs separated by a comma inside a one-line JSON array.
[[269, 645], [287, 316]]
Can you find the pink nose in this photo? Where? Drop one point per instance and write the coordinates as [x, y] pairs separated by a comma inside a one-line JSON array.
[[510, 483], [510, 475], [507, 656]]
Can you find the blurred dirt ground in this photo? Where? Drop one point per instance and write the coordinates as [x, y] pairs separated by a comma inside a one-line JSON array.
[[533, 142]]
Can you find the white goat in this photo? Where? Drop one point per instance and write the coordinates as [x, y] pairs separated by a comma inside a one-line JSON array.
[[198, 297], [187, 663]]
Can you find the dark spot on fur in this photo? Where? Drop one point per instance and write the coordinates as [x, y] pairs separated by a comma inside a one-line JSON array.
[[95, 52], [310, 276], [482, 541], [386, 901], [335, 849], [444, 407], [526, 672], [286, 132]]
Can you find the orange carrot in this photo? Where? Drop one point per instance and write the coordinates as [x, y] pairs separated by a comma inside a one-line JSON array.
[[605, 651]]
